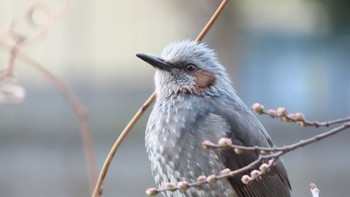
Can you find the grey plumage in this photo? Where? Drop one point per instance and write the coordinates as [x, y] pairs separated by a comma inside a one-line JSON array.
[[196, 102]]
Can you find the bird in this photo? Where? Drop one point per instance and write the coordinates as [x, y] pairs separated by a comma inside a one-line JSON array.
[[195, 101]]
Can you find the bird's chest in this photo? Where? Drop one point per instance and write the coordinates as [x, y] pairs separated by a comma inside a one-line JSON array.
[[174, 138], [170, 124], [171, 138]]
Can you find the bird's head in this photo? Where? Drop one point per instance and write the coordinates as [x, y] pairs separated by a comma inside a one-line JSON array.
[[187, 67]]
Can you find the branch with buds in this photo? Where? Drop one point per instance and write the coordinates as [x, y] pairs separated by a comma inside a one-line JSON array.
[[297, 118], [267, 155]]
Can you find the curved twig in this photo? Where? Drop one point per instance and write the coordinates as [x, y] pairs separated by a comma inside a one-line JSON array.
[[98, 188], [77, 107]]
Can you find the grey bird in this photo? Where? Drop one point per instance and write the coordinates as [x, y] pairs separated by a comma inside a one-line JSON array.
[[196, 102]]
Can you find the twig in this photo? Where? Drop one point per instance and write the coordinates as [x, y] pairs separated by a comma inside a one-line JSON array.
[[297, 118], [51, 17], [271, 157], [98, 188], [8, 73], [77, 107], [15, 51]]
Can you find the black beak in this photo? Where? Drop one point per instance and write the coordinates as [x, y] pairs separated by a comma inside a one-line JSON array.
[[155, 61]]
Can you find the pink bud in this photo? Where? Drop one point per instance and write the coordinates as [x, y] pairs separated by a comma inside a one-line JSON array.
[[238, 151], [211, 179], [170, 186], [225, 171], [291, 116], [299, 116], [183, 185], [225, 142], [263, 152], [255, 173], [246, 179], [281, 111], [272, 113], [258, 108], [201, 178], [263, 167], [152, 191]]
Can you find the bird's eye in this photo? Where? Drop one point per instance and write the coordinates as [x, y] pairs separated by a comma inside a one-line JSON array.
[[190, 67]]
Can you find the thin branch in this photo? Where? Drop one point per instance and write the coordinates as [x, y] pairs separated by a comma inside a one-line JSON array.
[[98, 188], [77, 107], [52, 16], [15, 51], [297, 118]]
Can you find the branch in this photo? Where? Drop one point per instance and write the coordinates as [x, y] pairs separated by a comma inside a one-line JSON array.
[[266, 159], [98, 188], [297, 118], [13, 93]]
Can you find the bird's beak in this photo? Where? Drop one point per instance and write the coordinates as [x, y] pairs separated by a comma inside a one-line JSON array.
[[155, 61]]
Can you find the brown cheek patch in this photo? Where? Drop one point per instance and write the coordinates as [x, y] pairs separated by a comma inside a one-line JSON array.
[[204, 79]]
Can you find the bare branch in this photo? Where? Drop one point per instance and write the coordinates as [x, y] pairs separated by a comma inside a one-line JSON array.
[[98, 188], [10, 92]]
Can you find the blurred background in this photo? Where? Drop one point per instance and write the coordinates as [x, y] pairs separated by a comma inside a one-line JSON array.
[[290, 53]]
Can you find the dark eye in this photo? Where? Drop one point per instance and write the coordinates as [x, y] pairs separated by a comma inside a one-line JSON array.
[[190, 67]]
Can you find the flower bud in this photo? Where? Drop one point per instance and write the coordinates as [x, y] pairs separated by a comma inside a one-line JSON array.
[[281, 111], [299, 117], [225, 171], [201, 178], [291, 116], [255, 173], [263, 152], [246, 179], [225, 142], [211, 179], [258, 108], [238, 151], [272, 113], [183, 185], [170, 186], [152, 191], [263, 167]]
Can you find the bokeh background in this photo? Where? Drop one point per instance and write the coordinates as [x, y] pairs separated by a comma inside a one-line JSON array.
[[290, 53]]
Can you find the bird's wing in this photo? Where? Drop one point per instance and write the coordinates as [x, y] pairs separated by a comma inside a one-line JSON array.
[[245, 129]]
